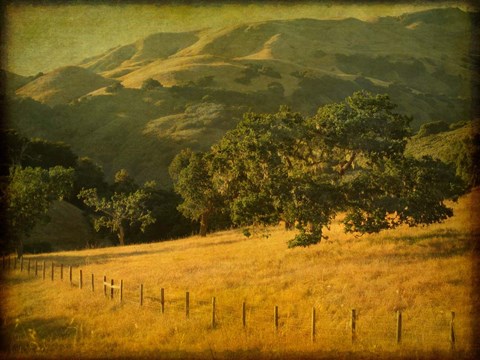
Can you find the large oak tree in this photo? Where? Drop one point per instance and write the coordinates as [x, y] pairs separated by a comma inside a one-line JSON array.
[[349, 158]]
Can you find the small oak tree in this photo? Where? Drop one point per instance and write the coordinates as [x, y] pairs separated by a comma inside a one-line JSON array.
[[28, 195], [192, 181], [120, 209]]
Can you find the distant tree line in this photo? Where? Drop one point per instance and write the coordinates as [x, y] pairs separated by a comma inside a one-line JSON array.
[[347, 158], [40, 171]]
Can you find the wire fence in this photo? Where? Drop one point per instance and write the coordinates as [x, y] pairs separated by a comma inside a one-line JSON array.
[[439, 331]]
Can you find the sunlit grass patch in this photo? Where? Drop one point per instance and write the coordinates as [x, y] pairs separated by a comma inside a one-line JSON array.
[[424, 272]]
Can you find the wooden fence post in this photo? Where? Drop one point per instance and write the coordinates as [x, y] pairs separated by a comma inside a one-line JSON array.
[[105, 285], [452, 331], [244, 314], [313, 324], [93, 283], [28, 272], [80, 285], [15, 263], [44, 267], [162, 299], [187, 304], [213, 313], [61, 272], [70, 271], [354, 325], [53, 270], [121, 290], [399, 326], [141, 294], [111, 289], [21, 264], [275, 317], [36, 268]]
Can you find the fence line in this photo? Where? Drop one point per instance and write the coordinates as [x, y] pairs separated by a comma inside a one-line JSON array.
[[219, 315]]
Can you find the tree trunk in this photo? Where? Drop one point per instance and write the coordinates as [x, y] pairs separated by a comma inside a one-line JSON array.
[[310, 227], [121, 235], [348, 164], [20, 247], [203, 224], [288, 225]]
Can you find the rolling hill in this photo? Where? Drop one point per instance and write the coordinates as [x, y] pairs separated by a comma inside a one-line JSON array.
[[425, 272], [63, 85], [211, 77]]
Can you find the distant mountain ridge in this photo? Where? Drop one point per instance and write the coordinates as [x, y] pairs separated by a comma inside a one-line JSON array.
[[211, 77]]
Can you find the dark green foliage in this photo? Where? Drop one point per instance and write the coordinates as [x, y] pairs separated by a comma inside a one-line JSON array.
[[457, 124], [404, 191], [38, 152], [115, 87], [465, 156], [30, 116], [170, 223], [380, 67], [193, 182], [88, 175], [123, 182], [38, 248], [28, 195], [119, 210], [151, 84], [46, 154], [252, 71], [433, 127], [349, 157], [205, 81], [268, 71]]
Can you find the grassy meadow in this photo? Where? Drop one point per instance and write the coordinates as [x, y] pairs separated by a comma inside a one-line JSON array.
[[425, 272]]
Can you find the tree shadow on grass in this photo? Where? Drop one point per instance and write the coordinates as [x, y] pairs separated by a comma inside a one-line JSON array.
[[32, 336], [442, 243], [16, 279], [79, 260], [434, 234]]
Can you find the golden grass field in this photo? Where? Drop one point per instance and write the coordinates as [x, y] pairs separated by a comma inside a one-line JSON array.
[[425, 272]]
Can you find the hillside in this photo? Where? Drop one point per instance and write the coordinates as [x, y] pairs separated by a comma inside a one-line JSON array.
[[425, 272], [458, 146], [11, 81], [68, 229], [441, 145], [63, 85], [425, 67]]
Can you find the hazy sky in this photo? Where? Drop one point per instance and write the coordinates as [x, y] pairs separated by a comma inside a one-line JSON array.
[[42, 38]]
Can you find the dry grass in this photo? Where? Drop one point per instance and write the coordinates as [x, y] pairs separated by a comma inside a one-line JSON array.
[[425, 272]]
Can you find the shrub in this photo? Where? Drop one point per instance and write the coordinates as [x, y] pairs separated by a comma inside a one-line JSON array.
[[432, 128], [151, 84]]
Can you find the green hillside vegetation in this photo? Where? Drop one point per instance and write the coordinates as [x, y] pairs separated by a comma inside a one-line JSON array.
[[122, 129], [446, 146], [459, 146], [426, 69], [44, 224]]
